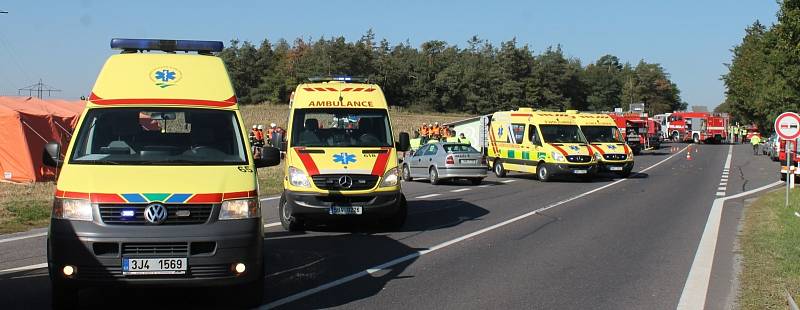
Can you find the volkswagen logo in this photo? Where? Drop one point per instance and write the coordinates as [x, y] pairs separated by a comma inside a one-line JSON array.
[[345, 181], [155, 213]]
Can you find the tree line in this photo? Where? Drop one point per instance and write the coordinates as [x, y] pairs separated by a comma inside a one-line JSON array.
[[477, 78], [764, 76]]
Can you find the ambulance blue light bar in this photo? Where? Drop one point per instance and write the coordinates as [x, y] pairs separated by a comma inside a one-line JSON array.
[[340, 78], [167, 45]]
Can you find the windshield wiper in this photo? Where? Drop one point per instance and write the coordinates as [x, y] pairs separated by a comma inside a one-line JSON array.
[[99, 161]]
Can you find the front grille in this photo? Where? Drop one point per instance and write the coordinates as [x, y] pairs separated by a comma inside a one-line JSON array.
[[331, 181], [579, 158], [210, 271], [155, 249], [198, 214], [615, 156]]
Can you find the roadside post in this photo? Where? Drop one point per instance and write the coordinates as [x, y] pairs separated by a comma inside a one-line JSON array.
[[787, 127]]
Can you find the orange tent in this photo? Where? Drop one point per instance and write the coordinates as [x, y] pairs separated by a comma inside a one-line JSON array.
[[26, 124]]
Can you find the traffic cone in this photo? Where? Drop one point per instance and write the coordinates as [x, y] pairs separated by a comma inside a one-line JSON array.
[[689, 153]]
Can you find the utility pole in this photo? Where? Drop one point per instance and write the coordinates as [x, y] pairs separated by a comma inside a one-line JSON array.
[[39, 89]]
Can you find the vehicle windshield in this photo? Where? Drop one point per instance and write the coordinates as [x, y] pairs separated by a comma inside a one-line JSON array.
[[459, 148], [562, 134], [602, 134], [341, 128], [155, 136]]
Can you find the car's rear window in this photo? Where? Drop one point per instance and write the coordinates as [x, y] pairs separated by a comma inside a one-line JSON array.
[[459, 148]]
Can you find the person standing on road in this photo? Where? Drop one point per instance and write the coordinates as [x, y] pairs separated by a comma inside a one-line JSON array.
[[755, 141]]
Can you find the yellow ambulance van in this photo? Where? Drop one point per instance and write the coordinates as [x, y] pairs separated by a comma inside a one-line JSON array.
[[605, 138], [341, 157], [157, 186], [546, 143]]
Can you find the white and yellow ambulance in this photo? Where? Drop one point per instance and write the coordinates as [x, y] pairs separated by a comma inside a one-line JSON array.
[[605, 138], [341, 157], [545, 143], [157, 185]]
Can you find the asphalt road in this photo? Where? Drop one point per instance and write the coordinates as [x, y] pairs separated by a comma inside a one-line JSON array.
[[510, 243]]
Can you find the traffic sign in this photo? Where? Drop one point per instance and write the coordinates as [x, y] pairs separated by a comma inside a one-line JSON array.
[[787, 126]]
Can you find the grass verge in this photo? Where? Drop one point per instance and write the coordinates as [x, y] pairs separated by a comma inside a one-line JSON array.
[[25, 206], [771, 252]]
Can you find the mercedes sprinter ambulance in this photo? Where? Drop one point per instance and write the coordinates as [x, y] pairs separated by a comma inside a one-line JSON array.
[[341, 158], [605, 138]]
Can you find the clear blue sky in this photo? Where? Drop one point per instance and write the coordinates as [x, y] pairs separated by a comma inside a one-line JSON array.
[[65, 42]]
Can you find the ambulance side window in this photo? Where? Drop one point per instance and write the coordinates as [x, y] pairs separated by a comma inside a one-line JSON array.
[[519, 132], [533, 135]]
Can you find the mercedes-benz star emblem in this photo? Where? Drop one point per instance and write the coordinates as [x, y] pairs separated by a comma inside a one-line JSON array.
[[345, 181], [155, 213]]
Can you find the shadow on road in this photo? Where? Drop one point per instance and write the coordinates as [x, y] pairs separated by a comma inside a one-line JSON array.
[[299, 262]]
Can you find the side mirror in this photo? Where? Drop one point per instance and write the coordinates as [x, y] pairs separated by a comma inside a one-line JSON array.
[[270, 156], [51, 156], [404, 142]]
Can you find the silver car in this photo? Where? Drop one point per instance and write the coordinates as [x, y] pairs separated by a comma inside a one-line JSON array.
[[445, 161]]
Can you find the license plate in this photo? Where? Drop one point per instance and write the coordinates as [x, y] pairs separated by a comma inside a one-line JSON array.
[[612, 168], [469, 161], [345, 210], [151, 266], [580, 171]]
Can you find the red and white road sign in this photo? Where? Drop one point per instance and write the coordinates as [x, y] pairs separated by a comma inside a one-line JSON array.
[[787, 126]]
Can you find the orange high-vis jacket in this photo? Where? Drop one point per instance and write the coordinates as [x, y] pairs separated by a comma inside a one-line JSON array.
[[423, 131], [435, 131]]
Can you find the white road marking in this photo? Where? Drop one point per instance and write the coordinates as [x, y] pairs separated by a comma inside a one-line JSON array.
[[722, 188], [696, 287], [484, 186], [414, 255], [460, 190], [721, 194], [426, 196], [509, 181], [23, 237], [270, 198], [24, 268], [723, 184]]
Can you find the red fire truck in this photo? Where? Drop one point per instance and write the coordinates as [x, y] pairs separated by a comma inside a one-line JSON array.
[[697, 126], [634, 125]]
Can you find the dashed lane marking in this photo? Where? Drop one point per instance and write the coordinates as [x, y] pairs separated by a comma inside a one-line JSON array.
[[460, 190], [509, 181], [427, 196]]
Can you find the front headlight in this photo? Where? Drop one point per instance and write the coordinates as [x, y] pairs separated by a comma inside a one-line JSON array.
[[240, 209], [72, 209], [298, 177], [558, 156], [598, 157], [391, 178]]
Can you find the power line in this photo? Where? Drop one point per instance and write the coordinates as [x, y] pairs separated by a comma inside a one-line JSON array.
[[39, 89]]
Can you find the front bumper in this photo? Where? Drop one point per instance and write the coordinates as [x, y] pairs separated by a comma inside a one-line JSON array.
[[612, 166], [315, 205], [574, 169], [211, 250]]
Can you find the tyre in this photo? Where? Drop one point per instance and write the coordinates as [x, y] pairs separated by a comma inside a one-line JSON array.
[[288, 220], [249, 295], [396, 221], [476, 181], [625, 173], [543, 172], [64, 296], [406, 173], [433, 176], [499, 170], [783, 177]]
